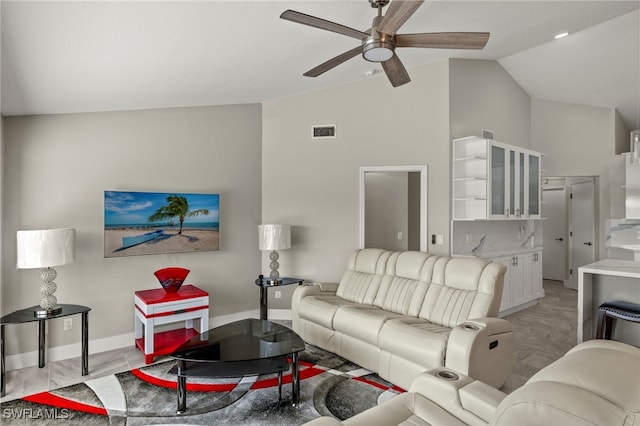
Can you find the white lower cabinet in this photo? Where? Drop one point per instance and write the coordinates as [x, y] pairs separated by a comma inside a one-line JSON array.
[[522, 281]]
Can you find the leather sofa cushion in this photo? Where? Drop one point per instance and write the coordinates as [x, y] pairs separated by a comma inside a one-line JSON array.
[[462, 288], [401, 295], [407, 409], [404, 286], [415, 339], [602, 367], [321, 309], [365, 269], [362, 321], [596, 382], [359, 287]]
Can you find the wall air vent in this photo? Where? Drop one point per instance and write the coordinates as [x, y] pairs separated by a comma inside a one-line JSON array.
[[323, 131], [487, 134]]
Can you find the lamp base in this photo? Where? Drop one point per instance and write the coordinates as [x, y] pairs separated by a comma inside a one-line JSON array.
[[274, 265], [40, 312]]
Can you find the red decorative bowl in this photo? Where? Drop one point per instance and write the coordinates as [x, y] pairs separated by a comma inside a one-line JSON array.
[[171, 279]]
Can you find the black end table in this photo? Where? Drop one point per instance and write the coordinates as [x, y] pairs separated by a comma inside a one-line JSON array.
[[265, 283], [27, 315]]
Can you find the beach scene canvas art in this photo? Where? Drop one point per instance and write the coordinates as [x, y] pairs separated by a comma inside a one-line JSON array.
[[138, 223]]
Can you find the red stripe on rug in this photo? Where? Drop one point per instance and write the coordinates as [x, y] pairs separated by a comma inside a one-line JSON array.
[[304, 374], [47, 398], [223, 387], [199, 387]]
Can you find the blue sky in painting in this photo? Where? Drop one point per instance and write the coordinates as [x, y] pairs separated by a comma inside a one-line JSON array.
[[134, 208]]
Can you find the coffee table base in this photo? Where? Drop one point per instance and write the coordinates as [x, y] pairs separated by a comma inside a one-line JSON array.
[[184, 369]]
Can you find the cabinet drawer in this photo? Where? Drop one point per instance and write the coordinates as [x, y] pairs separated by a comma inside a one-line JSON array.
[[177, 306], [171, 307]]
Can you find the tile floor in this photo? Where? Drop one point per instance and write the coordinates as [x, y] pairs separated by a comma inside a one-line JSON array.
[[543, 333]]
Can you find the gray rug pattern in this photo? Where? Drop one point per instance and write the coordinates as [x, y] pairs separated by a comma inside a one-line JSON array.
[[330, 386]]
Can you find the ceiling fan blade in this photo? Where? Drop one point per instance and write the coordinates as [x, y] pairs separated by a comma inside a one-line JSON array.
[[397, 14], [312, 21], [443, 40], [396, 72], [333, 62]]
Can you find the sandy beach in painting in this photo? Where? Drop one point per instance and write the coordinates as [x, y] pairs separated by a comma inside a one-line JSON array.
[[169, 242]]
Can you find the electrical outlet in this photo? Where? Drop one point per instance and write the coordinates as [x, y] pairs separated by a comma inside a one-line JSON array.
[[468, 238], [400, 235], [278, 294], [68, 324]]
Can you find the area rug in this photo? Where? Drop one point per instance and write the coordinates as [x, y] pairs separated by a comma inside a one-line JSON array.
[[329, 386]]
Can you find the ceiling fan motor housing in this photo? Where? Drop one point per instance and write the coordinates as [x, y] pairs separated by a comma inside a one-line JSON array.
[[378, 47]]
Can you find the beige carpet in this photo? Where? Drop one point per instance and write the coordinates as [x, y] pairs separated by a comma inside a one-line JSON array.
[[543, 333]]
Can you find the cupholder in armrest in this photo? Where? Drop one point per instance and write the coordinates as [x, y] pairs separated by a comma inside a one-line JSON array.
[[448, 375], [470, 327]]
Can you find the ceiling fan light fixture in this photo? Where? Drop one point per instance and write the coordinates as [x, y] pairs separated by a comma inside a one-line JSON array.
[[377, 51]]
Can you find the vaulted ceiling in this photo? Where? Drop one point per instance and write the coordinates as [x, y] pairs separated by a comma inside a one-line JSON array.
[[81, 56]]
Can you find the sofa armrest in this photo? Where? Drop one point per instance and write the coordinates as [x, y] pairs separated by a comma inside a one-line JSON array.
[[483, 349], [305, 290], [458, 394], [481, 399]]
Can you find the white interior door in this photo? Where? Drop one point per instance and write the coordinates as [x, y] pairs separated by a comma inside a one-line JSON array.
[[581, 232], [554, 263]]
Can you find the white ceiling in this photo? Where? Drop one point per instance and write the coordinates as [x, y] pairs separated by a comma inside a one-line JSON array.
[[81, 56]]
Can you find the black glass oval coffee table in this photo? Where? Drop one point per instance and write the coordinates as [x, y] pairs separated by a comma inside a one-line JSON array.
[[242, 348]]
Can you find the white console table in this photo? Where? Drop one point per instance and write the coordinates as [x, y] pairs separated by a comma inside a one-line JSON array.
[[605, 280]]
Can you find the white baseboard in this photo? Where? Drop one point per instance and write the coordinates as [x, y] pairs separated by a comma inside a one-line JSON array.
[[58, 353]]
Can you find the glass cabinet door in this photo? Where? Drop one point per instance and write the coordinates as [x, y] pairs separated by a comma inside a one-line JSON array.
[[533, 203], [512, 182], [521, 184], [498, 181]]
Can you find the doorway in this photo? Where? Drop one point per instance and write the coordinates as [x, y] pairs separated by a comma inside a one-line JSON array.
[[554, 263], [569, 228], [384, 227]]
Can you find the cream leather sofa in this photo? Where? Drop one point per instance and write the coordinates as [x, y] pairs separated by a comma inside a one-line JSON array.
[[401, 313], [595, 383]]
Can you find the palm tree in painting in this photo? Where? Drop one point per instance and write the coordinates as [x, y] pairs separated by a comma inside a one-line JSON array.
[[178, 207]]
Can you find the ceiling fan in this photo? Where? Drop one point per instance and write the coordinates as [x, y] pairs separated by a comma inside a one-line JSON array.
[[378, 43]]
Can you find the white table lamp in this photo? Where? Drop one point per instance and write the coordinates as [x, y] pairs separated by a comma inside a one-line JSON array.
[[44, 249], [274, 237]]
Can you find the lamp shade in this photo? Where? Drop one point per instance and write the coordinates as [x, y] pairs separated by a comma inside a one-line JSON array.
[[274, 237], [46, 248]]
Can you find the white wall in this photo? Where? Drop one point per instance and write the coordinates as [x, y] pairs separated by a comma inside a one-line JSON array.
[[313, 184], [579, 140], [485, 96], [56, 169]]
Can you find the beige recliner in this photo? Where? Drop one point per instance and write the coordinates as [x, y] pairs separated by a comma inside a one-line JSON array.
[[595, 383]]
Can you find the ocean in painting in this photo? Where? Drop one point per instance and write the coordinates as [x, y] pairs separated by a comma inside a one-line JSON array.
[[146, 225]]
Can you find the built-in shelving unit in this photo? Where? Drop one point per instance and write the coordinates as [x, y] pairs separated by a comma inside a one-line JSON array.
[[495, 181]]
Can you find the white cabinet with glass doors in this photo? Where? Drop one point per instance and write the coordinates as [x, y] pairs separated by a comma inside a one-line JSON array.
[[493, 180]]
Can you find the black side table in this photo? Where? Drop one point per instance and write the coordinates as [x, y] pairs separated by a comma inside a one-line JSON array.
[[265, 283], [26, 315]]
